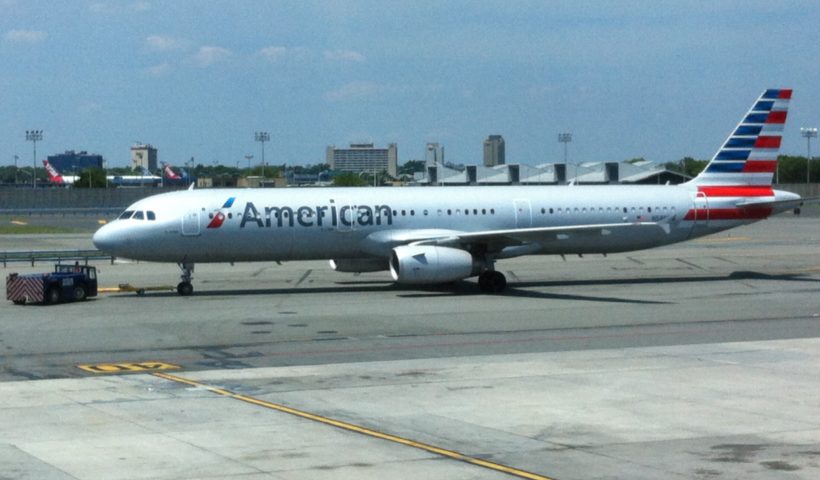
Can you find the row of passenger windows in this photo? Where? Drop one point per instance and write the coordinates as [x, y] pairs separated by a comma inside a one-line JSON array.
[[474, 211], [137, 215], [606, 210]]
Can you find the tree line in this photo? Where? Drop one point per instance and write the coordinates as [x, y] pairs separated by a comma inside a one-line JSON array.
[[791, 169]]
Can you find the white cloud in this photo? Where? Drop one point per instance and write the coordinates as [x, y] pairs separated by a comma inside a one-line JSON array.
[[209, 55], [273, 53], [344, 56], [158, 70], [25, 36], [276, 53], [354, 91], [165, 43]]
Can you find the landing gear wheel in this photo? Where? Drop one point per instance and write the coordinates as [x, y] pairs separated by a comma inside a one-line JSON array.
[[185, 288], [492, 281]]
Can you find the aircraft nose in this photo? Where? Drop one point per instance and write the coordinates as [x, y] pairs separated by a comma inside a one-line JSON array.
[[106, 239]]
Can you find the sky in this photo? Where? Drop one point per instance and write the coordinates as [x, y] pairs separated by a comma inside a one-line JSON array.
[[659, 80]]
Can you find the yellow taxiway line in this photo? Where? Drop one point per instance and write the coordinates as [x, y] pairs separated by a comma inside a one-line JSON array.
[[452, 454]]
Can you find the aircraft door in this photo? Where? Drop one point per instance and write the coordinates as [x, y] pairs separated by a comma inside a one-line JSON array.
[[190, 224], [701, 209], [523, 213]]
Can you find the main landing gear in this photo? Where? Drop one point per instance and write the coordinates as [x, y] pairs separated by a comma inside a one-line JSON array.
[[492, 281], [185, 288]]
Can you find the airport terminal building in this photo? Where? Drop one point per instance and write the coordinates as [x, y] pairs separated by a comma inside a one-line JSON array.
[[72, 163], [363, 157]]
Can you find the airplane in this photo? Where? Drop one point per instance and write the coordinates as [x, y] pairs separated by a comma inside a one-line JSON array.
[[170, 177], [146, 179], [55, 177], [433, 235]]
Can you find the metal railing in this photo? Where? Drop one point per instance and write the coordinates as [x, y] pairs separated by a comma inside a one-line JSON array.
[[58, 256]]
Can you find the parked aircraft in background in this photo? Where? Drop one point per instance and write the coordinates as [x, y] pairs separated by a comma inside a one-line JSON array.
[[170, 177], [146, 179], [55, 177], [428, 235]]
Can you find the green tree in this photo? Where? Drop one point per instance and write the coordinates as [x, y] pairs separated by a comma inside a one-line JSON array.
[[348, 179], [412, 166], [93, 177]]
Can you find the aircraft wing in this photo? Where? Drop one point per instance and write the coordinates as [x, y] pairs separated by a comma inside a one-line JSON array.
[[497, 240]]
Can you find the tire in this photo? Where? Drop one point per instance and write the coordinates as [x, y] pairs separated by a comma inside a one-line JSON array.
[[79, 293], [19, 302], [492, 281], [185, 288], [52, 296]]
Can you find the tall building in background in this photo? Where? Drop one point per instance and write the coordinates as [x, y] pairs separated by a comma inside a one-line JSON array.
[[72, 163], [363, 157], [144, 155], [434, 154], [494, 151]]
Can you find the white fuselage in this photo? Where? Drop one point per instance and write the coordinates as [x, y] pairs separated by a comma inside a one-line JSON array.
[[354, 223]]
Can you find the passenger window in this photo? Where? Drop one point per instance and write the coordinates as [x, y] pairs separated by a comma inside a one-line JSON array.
[[126, 215], [151, 215], [138, 216]]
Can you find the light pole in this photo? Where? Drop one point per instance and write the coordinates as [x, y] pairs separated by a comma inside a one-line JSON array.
[[16, 157], [262, 137], [809, 133], [565, 138], [34, 136], [248, 158]]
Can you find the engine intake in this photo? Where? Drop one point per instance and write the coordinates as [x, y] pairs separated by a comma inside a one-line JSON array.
[[422, 264]]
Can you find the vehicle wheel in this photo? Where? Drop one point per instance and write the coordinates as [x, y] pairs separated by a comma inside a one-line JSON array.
[[52, 296], [79, 293], [19, 302], [492, 281], [185, 288]]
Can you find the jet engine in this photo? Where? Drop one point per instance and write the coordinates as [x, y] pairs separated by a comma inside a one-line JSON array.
[[358, 265], [430, 264]]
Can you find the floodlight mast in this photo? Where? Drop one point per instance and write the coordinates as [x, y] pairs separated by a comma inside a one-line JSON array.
[[262, 137], [34, 136], [565, 138], [808, 133]]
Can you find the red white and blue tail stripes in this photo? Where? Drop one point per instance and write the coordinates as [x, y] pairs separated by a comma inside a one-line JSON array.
[[749, 155]]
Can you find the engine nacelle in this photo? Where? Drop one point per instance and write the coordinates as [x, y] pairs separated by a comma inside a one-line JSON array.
[[430, 264], [358, 265]]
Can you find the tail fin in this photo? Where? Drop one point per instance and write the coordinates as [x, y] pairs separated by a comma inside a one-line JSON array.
[[53, 175], [169, 173], [749, 155]]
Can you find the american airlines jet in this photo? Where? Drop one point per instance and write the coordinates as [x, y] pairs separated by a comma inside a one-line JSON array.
[[428, 235]]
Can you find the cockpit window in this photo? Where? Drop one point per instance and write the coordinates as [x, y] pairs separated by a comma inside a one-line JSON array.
[[126, 215], [151, 215], [138, 215]]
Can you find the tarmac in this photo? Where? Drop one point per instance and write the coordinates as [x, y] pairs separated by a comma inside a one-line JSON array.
[[698, 360]]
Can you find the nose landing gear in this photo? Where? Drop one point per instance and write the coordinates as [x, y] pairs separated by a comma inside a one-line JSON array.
[[185, 288]]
